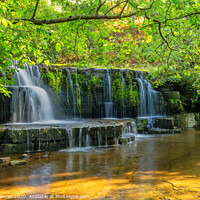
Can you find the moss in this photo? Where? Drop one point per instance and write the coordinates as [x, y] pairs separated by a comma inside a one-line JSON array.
[[80, 86], [93, 83], [132, 94], [128, 96], [118, 92], [53, 78]]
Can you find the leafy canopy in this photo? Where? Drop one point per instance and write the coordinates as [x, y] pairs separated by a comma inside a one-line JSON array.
[[103, 33]]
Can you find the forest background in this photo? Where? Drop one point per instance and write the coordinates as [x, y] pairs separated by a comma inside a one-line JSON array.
[[159, 36]]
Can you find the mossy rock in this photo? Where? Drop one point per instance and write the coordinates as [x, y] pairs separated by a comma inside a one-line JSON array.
[[18, 162], [173, 102]]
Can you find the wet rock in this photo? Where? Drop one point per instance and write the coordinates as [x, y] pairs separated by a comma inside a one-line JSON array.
[[173, 102], [18, 162], [45, 156], [127, 137], [24, 156], [4, 164], [164, 131], [141, 125], [123, 141], [188, 120], [5, 160], [12, 148], [164, 123]]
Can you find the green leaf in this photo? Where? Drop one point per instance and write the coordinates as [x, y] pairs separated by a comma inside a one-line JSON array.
[[46, 62], [39, 60], [58, 47]]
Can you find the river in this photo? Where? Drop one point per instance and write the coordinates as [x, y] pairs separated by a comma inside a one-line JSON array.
[[151, 168]]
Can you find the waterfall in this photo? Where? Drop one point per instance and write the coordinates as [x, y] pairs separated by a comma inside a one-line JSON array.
[[123, 91], [71, 87], [29, 101], [99, 138], [87, 139], [78, 95], [151, 101], [71, 138], [109, 106], [80, 137]]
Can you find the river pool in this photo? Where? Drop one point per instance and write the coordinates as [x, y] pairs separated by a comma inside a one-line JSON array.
[[153, 167]]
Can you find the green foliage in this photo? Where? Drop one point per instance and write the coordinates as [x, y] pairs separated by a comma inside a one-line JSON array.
[[80, 85], [164, 37], [117, 89], [94, 82], [3, 90], [132, 94]]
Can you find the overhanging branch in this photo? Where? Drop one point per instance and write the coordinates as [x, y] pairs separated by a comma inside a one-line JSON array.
[[160, 31], [100, 5], [36, 6], [75, 18]]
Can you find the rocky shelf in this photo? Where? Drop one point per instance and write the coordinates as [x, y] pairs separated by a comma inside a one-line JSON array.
[[40, 137]]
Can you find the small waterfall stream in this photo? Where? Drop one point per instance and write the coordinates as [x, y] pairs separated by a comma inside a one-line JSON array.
[[109, 105], [151, 101], [30, 102], [71, 87], [123, 91]]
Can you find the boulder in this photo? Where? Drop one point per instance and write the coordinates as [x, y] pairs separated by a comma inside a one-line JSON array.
[[18, 162], [173, 102], [5, 160], [165, 123], [127, 137], [45, 156], [24, 156], [164, 131]]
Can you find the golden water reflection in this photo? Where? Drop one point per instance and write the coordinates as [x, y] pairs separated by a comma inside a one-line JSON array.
[[158, 167]]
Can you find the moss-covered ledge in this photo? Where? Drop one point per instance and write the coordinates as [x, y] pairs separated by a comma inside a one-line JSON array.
[[25, 138]]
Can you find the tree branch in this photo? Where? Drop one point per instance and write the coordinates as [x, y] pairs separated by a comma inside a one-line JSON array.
[[114, 7], [124, 7], [167, 10], [160, 32], [74, 18], [100, 5], [36, 6], [188, 15]]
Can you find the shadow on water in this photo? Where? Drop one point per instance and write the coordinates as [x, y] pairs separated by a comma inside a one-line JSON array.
[[153, 167]]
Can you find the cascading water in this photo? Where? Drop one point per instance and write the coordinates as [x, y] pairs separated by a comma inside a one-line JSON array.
[[71, 138], [123, 92], [29, 101], [151, 101], [109, 105], [80, 138], [71, 87], [87, 139]]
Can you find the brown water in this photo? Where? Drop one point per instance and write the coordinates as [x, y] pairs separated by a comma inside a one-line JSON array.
[[155, 167]]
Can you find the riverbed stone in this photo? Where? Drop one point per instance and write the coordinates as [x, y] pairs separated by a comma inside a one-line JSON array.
[[164, 131], [24, 156], [5, 160], [18, 162]]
